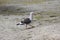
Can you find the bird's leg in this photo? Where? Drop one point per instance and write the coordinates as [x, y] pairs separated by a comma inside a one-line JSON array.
[[26, 26]]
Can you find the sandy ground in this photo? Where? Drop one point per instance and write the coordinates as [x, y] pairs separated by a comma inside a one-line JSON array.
[[10, 31]]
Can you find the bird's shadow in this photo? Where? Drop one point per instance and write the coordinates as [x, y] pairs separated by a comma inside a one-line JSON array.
[[31, 27]]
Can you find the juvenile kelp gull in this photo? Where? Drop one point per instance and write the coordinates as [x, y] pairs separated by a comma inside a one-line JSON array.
[[27, 20]]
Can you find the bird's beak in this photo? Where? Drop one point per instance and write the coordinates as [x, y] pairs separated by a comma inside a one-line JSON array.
[[36, 13]]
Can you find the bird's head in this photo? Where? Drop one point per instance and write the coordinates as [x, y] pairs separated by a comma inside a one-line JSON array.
[[31, 13]]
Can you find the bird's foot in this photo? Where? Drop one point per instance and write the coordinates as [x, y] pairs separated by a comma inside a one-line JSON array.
[[33, 26]]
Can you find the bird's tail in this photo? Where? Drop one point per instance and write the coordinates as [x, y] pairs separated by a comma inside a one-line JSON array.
[[20, 23]]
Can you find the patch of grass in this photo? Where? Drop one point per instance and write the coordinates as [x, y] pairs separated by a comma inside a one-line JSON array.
[[15, 11], [50, 13], [21, 1], [38, 17], [33, 2], [47, 16]]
